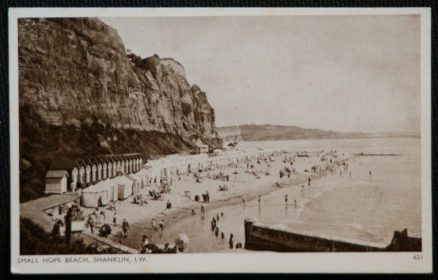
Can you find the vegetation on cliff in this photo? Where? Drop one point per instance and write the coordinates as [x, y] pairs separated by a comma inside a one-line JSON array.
[[253, 132], [35, 241]]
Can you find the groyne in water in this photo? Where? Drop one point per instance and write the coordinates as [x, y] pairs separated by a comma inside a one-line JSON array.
[[262, 237]]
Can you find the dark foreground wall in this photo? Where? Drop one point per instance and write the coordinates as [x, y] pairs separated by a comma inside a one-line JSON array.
[[264, 238]]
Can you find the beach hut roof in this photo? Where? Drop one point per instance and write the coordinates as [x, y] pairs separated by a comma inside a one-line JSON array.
[[63, 164], [56, 173], [133, 177], [88, 161], [122, 179], [199, 143], [141, 172], [99, 186]]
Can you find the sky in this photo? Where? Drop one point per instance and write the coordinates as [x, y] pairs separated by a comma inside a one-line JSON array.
[[332, 72]]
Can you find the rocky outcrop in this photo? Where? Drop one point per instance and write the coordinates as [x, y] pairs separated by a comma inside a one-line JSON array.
[[75, 74]]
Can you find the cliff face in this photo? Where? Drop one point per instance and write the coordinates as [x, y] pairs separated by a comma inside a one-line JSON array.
[[77, 81], [76, 71]]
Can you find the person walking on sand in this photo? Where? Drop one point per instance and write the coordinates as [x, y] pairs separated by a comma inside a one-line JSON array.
[[102, 213], [154, 224], [213, 223], [370, 173], [90, 223], [231, 241], [161, 225], [202, 209], [295, 203], [285, 199], [259, 199], [308, 182], [243, 202], [125, 227], [115, 218]]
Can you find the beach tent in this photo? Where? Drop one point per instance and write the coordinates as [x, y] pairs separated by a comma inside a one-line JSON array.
[[136, 183], [142, 174], [124, 186], [99, 194]]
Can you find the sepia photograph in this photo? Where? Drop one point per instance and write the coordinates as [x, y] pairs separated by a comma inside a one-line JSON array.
[[231, 140]]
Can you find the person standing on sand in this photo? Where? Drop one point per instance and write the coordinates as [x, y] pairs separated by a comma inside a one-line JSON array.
[[285, 199], [125, 227], [154, 224], [213, 223], [295, 203], [90, 223], [115, 218], [259, 199], [202, 209], [161, 225], [102, 213], [243, 202], [308, 182], [231, 241]]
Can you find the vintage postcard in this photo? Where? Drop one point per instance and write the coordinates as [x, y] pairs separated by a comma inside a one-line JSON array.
[[220, 140]]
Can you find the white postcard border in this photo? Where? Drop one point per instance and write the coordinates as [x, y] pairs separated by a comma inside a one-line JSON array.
[[260, 262]]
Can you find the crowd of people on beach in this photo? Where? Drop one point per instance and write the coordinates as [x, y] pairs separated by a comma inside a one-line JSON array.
[[104, 220]]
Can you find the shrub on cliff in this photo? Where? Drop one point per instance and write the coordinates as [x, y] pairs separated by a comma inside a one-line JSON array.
[[186, 108]]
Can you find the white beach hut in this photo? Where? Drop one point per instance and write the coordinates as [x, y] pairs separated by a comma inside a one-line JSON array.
[[136, 184], [124, 185], [56, 181], [142, 174], [99, 194]]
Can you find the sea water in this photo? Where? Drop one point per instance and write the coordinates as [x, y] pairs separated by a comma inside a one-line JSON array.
[[360, 206]]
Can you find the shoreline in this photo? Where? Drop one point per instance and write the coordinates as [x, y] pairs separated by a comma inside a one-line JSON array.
[[183, 212]]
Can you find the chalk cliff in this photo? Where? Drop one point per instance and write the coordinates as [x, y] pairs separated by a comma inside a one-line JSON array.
[[82, 93]]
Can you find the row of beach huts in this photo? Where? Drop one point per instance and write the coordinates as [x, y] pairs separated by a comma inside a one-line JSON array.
[[99, 180], [102, 179]]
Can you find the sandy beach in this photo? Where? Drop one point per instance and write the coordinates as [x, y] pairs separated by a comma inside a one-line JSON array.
[[244, 183], [343, 199]]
